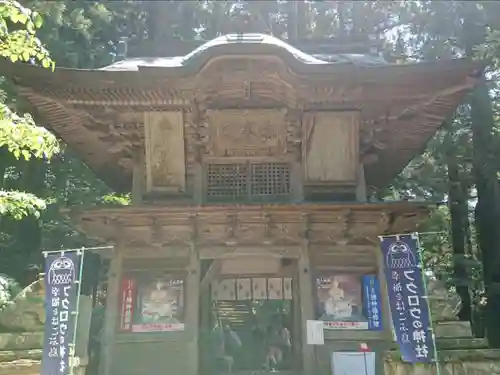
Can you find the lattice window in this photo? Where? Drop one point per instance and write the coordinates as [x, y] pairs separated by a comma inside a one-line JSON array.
[[227, 182], [269, 180], [248, 182]]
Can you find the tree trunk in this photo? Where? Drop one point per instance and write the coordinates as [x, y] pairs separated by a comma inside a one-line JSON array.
[[487, 208], [29, 232], [292, 26], [458, 212]]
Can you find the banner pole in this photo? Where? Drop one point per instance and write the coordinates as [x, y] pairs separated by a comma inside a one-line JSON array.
[[431, 323], [73, 363], [45, 253]]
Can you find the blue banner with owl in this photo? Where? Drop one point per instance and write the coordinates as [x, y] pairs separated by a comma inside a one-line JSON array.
[[408, 303], [61, 287]]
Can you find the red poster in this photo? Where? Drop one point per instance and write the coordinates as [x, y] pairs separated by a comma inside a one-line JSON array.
[[127, 303]]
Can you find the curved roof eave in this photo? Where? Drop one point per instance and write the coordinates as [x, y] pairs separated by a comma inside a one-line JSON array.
[[135, 71], [35, 76]]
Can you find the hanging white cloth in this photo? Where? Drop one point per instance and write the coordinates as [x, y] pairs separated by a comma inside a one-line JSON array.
[[350, 363]]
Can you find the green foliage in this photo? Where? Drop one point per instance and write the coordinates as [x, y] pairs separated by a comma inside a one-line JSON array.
[[115, 199], [18, 204], [23, 138], [19, 134], [9, 289], [18, 40]]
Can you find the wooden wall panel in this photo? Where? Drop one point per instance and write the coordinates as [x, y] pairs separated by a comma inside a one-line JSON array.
[[165, 151], [158, 355], [330, 147], [247, 133]]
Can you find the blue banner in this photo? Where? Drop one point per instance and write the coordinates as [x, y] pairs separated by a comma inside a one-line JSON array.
[[408, 303], [372, 302], [61, 278]]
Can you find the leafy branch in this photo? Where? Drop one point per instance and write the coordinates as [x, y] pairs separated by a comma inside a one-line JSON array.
[[17, 204], [19, 134]]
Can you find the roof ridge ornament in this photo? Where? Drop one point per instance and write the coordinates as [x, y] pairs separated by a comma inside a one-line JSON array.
[[244, 37]]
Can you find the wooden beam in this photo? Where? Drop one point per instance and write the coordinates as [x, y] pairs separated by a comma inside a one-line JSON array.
[[238, 251]]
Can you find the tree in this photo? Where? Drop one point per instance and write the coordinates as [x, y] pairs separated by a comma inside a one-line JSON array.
[[19, 134]]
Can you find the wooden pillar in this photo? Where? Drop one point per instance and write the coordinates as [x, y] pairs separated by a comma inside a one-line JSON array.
[[193, 307], [196, 118], [306, 300], [198, 182], [361, 185], [83, 332], [296, 182], [386, 313], [138, 178], [294, 117], [112, 312]]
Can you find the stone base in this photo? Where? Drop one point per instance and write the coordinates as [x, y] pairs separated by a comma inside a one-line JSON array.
[[20, 362], [453, 329], [458, 368], [28, 362], [22, 340], [452, 362]]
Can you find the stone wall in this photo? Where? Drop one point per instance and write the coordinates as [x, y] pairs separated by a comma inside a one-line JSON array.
[[20, 353], [452, 362]]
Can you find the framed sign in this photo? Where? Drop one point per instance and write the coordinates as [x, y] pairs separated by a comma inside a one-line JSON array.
[[340, 302], [152, 304]]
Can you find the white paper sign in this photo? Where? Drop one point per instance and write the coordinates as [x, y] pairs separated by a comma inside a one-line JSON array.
[[346, 363], [315, 335]]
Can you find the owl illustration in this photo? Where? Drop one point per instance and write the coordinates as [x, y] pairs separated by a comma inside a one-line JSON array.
[[62, 271], [400, 256]]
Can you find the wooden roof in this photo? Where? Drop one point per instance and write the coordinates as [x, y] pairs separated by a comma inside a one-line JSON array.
[[97, 112]]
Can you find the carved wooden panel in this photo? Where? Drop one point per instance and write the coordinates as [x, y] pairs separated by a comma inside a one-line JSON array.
[[285, 232], [256, 132], [175, 234], [165, 157], [330, 146]]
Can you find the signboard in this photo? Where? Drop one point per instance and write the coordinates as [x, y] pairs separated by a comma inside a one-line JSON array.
[[353, 363], [349, 302], [61, 278], [149, 304], [315, 333], [127, 299], [340, 302], [372, 302], [346, 325], [407, 300]]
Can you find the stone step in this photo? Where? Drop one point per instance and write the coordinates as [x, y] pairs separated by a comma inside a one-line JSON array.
[[459, 343]]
